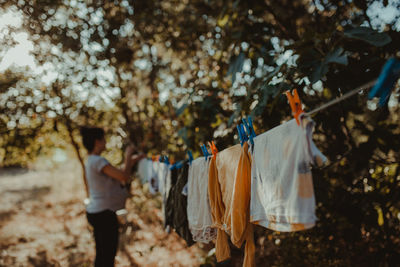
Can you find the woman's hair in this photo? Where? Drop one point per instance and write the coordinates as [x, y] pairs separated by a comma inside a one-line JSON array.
[[90, 135]]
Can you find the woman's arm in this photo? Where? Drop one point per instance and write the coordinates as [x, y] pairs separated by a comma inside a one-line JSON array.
[[136, 158], [123, 174], [115, 173]]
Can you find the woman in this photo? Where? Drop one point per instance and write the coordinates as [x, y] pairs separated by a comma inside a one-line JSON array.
[[107, 193]]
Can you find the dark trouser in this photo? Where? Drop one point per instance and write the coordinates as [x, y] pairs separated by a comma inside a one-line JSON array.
[[105, 226]]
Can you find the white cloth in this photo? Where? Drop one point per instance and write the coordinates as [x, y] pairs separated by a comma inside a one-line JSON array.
[[105, 193], [160, 181], [282, 194], [144, 171], [164, 179], [198, 204], [159, 178], [153, 177]]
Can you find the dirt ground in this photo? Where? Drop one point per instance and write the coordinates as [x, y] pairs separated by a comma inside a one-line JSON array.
[[43, 223]]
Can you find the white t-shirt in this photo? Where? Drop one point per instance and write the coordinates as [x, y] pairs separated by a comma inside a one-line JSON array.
[[160, 181], [198, 204], [144, 170], [159, 178], [105, 193], [282, 194]]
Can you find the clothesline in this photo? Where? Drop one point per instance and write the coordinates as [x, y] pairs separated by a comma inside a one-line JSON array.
[[341, 98]]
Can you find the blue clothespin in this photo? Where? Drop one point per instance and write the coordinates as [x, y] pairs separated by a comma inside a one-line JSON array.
[[386, 81], [166, 160], [202, 150], [178, 165], [205, 151], [253, 133], [250, 136], [244, 135], [190, 155], [249, 128], [172, 167], [240, 134]]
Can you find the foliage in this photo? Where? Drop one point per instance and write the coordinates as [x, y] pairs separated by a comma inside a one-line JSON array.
[[170, 75]]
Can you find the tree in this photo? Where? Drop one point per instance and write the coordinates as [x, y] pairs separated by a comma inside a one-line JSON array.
[[182, 73]]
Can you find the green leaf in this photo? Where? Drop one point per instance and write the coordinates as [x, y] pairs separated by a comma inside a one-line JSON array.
[[272, 74], [236, 65], [183, 133], [319, 72], [234, 115], [235, 4], [336, 56], [317, 67], [380, 216], [223, 21], [368, 35], [232, 118], [267, 91], [180, 110]]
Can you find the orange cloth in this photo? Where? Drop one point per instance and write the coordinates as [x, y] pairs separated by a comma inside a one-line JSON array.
[[229, 186]]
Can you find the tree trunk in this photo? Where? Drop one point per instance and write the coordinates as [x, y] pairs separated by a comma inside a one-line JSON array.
[[76, 148]]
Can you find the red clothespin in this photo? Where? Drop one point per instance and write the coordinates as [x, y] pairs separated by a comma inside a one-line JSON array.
[[213, 148], [295, 104]]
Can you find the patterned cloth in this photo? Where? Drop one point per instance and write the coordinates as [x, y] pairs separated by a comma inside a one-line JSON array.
[[198, 209]]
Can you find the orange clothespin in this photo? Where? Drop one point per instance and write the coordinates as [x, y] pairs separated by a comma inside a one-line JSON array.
[[213, 148], [295, 104]]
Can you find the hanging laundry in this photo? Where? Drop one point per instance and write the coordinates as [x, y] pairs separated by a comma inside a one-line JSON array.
[[221, 187], [169, 207], [241, 228], [164, 179], [164, 183], [144, 170], [153, 177], [176, 205], [282, 193], [159, 178], [198, 207]]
